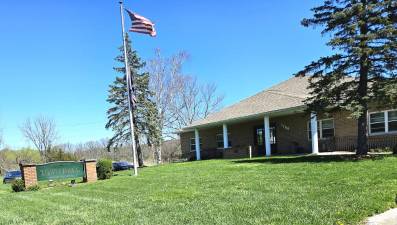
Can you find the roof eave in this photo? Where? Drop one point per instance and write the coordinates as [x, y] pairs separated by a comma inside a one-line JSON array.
[[279, 112]]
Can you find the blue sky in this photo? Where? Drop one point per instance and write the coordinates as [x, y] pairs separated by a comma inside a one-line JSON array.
[[56, 57]]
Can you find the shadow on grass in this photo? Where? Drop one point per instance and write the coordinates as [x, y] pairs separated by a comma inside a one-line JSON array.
[[312, 159]]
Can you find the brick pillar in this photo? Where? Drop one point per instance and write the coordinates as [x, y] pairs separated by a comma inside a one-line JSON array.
[[90, 171], [29, 174]]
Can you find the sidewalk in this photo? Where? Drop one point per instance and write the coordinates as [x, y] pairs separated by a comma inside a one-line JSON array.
[[386, 218]]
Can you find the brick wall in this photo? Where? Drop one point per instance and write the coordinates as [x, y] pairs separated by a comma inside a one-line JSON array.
[[291, 133], [185, 143], [236, 152], [90, 168], [29, 174]]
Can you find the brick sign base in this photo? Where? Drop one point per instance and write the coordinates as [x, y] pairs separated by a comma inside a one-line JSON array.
[[29, 172], [90, 171]]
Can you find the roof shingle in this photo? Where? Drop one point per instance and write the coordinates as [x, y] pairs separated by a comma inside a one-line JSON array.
[[288, 94]]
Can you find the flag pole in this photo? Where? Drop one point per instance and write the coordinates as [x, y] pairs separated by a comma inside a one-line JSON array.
[[128, 79]]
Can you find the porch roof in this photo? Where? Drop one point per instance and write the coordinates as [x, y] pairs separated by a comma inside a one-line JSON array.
[[286, 96]]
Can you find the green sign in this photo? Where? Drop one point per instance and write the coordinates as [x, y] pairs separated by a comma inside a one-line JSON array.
[[60, 170]]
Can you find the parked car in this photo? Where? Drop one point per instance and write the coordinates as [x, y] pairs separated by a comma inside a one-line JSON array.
[[122, 165], [11, 176]]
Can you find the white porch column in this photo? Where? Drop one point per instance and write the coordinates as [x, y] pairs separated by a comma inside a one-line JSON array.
[[225, 137], [267, 136], [197, 143], [314, 131]]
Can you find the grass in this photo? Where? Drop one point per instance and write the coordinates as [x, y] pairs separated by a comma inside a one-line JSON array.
[[280, 190]]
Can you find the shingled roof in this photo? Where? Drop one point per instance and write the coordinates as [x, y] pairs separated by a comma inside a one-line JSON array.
[[286, 95]]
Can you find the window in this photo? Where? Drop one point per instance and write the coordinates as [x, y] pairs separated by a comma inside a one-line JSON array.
[[392, 123], [383, 122], [259, 136], [272, 135], [219, 141], [325, 129], [377, 122], [193, 144]]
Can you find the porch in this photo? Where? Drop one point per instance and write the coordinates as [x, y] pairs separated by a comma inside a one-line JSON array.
[[278, 133], [337, 146]]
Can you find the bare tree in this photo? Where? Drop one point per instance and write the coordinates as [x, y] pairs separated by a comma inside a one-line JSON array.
[[165, 75], [186, 103], [180, 98], [194, 101], [3, 161], [211, 100], [41, 132]]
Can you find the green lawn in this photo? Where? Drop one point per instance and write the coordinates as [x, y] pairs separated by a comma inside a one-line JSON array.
[[280, 190]]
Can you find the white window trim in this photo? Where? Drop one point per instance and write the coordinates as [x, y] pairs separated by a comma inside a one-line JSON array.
[[190, 144], [228, 138], [320, 127], [386, 122]]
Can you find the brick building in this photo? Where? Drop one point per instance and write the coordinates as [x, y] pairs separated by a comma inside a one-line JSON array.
[[274, 122]]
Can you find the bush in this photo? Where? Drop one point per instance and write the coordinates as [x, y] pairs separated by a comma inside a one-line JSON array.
[[395, 150], [104, 169], [33, 188], [18, 185]]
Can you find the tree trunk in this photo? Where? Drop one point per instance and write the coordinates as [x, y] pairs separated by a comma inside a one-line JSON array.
[[138, 150], [45, 156], [158, 150], [362, 139], [140, 155]]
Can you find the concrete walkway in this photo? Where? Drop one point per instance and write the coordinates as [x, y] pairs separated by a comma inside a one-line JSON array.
[[337, 153], [352, 153], [386, 218]]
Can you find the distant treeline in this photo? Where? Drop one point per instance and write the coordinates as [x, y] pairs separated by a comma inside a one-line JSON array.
[[10, 158]]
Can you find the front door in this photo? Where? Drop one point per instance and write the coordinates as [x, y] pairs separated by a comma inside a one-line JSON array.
[[259, 139]]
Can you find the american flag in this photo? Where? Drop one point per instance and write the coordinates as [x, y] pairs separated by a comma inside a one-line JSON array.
[[141, 25]]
